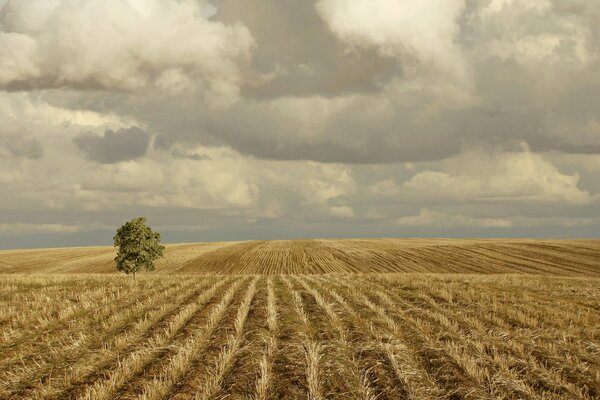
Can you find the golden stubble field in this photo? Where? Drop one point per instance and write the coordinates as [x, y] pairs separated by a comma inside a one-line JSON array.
[[555, 257], [322, 319]]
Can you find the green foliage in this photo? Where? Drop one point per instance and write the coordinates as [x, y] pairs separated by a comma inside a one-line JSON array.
[[138, 246]]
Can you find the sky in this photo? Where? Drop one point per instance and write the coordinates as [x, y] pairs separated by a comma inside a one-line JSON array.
[[279, 119]]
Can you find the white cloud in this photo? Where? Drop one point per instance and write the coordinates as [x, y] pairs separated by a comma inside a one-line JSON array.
[[119, 44], [399, 27], [553, 39], [179, 183], [506, 177], [428, 217], [319, 183], [26, 109]]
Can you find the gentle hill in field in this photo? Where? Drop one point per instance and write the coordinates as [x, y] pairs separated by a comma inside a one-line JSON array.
[[555, 257]]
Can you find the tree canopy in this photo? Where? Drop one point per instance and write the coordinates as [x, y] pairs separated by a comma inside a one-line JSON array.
[[138, 246]]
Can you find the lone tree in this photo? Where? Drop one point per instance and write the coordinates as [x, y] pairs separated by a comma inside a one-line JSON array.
[[138, 246]]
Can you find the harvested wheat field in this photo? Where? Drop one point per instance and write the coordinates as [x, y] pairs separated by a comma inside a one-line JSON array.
[[498, 320], [555, 257], [373, 336]]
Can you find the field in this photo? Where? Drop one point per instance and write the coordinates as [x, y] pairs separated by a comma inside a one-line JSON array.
[[555, 257], [327, 319]]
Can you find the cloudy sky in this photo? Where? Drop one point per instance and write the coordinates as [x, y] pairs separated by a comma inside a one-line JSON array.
[[226, 120]]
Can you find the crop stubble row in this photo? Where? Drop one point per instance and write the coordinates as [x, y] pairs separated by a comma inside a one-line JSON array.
[[550, 257], [384, 336]]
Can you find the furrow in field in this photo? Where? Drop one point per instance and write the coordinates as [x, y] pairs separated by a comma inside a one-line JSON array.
[[266, 256], [19, 287], [59, 299], [172, 375], [334, 378], [244, 374], [435, 262], [392, 259], [42, 311], [327, 256], [287, 367], [407, 260], [221, 365], [125, 371], [527, 264], [517, 308], [576, 291], [300, 256], [58, 361], [534, 324], [353, 259], [347, 356], [98, 262], [118, 342], [526, 308], [373, 256], [440, 365], [225, 260], [420, 263], [559, 261], [264, 381], [453, 259], [321, 258], [471, 346], [298, 365], [177, 256], [31, 345], [58, 260], [486, 370], [580, 254], [312, 349], [387, 341], [493, 262]]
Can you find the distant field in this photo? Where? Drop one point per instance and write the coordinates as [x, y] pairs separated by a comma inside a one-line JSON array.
[[568, 258], [364, 319], [375, 336]]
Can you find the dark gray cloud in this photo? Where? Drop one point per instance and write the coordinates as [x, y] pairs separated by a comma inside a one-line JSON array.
[[113, 147], [353, 135], [297, 54]]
